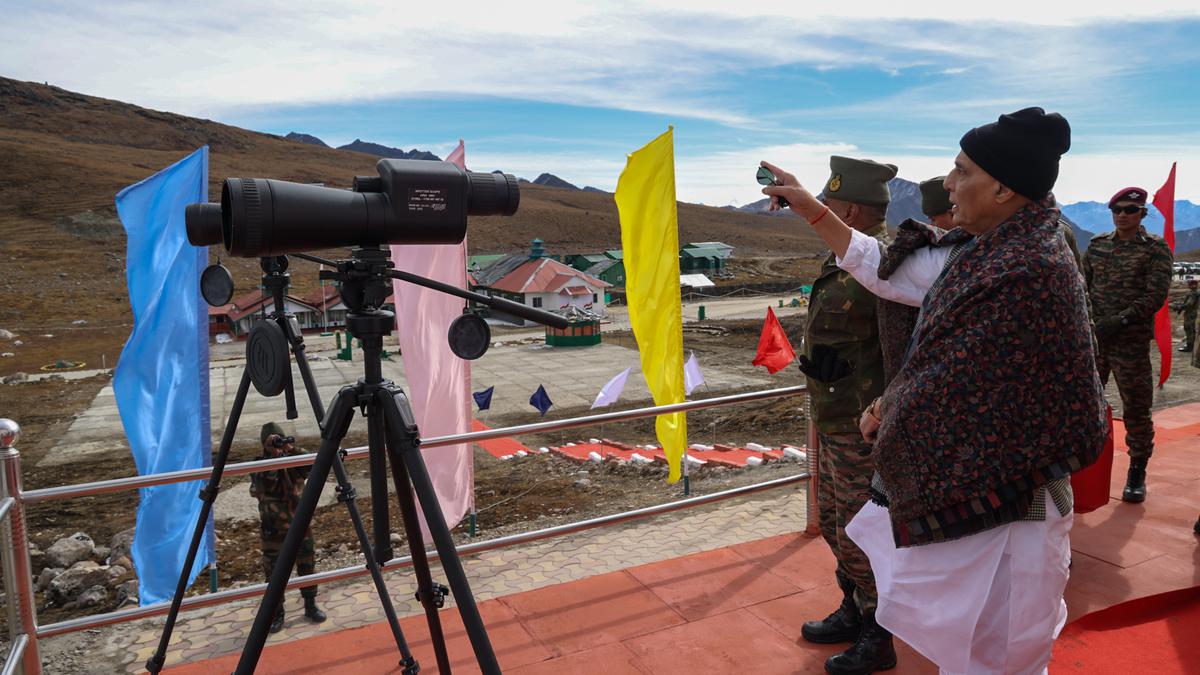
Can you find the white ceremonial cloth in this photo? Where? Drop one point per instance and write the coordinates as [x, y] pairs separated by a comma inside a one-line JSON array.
[[991, 602], [908, 284]]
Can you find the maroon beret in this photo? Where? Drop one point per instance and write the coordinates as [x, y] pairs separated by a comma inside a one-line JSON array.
[[1129, 194]]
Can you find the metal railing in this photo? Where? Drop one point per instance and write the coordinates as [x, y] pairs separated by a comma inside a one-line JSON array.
[[22, 620]]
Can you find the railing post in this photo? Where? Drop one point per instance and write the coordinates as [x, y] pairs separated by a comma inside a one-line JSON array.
[[14, 552], [812, 515]]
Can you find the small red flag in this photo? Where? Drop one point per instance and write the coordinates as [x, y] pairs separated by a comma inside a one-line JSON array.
[[774, 350], [1164, 201]]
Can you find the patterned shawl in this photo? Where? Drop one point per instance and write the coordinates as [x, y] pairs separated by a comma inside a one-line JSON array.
[[1000, 393]]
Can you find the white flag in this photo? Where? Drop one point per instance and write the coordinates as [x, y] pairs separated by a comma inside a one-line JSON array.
[[610, 392], [692, 377]]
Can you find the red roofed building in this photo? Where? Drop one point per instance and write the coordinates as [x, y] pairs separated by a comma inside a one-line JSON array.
[[541, 282], [240, 314]]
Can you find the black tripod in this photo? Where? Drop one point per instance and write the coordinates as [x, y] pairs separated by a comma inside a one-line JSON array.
[[264, 368]]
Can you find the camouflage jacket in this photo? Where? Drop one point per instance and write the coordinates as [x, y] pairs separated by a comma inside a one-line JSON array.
[[282, 485], [843, 314], [1130, 279], [1188, 306]]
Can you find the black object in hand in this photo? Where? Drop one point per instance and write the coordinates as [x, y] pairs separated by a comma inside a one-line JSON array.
[[280, 441], [1108, 326], [767, 177], [825, 365]]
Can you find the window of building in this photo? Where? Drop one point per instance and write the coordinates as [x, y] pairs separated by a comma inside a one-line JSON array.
[[537, 302], [595, 297]]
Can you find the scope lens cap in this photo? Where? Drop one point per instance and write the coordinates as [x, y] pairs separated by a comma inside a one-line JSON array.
[[267, 358], [216, 285], [469, 337]]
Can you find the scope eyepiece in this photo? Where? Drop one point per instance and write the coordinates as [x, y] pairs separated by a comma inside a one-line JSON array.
[[203, 224]]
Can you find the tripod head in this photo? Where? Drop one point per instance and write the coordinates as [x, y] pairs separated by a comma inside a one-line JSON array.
[[365, 283]]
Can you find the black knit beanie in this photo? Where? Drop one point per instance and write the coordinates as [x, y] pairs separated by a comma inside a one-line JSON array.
[[1021, 150]]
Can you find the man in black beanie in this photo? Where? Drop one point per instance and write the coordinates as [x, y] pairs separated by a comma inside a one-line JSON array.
[[996, 403]]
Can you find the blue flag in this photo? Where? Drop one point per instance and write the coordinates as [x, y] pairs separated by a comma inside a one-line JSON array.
[[483, 399], [161, 380], [541, 400]]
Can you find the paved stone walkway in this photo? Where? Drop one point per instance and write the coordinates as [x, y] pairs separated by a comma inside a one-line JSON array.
[[221, 630]]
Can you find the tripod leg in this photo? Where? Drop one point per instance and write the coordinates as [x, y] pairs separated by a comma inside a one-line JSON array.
[[346, 495], [400, 425], [380, 517], [208, 495], [334, 429], [431, 595]]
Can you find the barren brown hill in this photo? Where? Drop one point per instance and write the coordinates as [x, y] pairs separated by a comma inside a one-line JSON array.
[[64, 156]]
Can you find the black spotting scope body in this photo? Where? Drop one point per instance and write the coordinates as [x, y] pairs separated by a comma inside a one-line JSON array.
[[412, 201]]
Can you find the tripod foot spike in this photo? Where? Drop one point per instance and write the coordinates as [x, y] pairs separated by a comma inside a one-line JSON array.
[[409, 666]]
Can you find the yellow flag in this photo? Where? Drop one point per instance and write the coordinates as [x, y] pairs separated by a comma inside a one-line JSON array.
[[650, 237]]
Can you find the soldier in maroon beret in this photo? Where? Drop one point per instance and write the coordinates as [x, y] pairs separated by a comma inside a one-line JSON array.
[[1128, 275]]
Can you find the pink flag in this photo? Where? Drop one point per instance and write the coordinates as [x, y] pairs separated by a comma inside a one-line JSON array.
[[439, 383]]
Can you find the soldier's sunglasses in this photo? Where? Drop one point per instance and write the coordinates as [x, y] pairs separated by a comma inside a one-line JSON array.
[[1129, 210]]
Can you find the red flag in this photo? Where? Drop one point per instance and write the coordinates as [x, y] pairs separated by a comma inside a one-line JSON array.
[[1164, 201], [774, 350]]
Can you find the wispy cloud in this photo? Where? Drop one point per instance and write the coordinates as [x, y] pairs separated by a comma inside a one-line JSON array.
[[880, 78]]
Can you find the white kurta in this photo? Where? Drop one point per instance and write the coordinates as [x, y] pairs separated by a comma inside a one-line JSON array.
[[991, 602]]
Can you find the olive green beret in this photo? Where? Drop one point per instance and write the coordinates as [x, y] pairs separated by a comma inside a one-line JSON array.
[[859, 181], [269, 429], [934, 197]]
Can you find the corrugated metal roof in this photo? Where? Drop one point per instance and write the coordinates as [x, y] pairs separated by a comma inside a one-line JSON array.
[[543, 276]]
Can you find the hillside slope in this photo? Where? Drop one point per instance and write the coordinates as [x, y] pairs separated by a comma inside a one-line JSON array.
[[64, 156]]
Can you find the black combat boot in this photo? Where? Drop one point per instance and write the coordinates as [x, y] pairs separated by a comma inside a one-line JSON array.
[[1135, 483], [311, 610], [873, 651], [277, 623], [841, 626]]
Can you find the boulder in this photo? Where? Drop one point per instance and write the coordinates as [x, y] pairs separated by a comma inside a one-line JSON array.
[[116, 572], [48, 575], [120, 545], [67, 587], [127, 593], [69, 550], [85, 565], [123, 561], [96, 595], [100, 554], [6, 335], [15, 378]]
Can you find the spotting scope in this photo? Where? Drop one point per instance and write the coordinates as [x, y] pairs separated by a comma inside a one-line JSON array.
[[411, 201]]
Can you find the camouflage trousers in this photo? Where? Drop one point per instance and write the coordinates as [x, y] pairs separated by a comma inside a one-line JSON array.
[[276, 518], [1130, 365], [1189, 329], [844, 463]]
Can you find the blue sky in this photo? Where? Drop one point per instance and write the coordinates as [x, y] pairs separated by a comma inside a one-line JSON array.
[[570, 88]]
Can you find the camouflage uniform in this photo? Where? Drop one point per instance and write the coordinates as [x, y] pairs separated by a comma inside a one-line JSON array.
[[1188, 307], [1129, 279], [842, 314], [278, 494]]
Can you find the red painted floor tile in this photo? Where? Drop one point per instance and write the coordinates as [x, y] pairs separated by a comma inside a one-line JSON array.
[[611, 659], [806, 562], [591, 612], [712, 582], [733, 642]]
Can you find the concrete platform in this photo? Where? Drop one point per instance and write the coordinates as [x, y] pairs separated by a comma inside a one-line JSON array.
[[733, 604]]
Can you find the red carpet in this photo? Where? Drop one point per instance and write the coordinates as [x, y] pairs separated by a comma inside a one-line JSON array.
[[1158, 634]]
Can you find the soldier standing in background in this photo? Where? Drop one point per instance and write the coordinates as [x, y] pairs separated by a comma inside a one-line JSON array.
[[1188, 307], [278, 494], [935, 203], [842, 335], [1128, 275]]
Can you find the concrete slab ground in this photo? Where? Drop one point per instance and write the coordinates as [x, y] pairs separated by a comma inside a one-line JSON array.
[[572, 377]]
